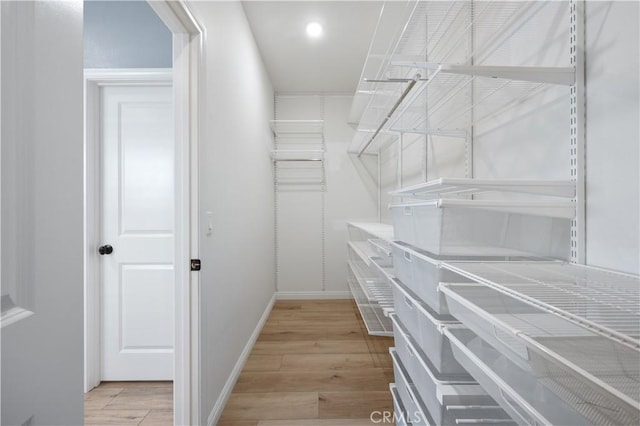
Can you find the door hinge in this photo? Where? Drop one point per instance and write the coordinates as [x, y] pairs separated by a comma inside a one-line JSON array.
[[195, 264]]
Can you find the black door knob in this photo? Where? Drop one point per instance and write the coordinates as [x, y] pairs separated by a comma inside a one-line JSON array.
[[105, 249]]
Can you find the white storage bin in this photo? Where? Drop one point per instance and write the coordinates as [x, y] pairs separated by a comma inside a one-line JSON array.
[[526, 400], [422, 274], [417, 414], [447, 401], [447, 404], [426, 331], [478, 228]]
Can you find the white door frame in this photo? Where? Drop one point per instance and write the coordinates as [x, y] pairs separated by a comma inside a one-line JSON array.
[[187, 74]]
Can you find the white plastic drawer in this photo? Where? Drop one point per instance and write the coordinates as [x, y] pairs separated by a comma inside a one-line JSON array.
[[422, 274], [497, 318], [400, 414], [447, 402], [426, 330], [417, 413], [443, 227], [523, 397]]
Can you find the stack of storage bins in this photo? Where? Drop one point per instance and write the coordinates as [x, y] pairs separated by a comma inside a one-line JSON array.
[[432, 386], [492, 326]]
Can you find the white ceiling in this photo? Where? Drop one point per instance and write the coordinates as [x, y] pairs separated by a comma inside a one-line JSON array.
[[298, 64]]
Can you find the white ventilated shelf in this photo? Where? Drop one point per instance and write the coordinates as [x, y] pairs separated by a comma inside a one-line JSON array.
[[374, 229], [300, 155], [576, 328], [363, 250], [604, 301], [300, 128], [381, 247], [372, 314], [441, 102], [467, 186], [551, 75], [442, 105]]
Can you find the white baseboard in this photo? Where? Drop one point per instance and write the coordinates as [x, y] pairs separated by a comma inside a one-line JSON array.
[[216, 412], [309, 295]]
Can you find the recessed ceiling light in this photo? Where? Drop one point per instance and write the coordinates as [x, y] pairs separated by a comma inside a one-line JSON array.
[[314, 29]]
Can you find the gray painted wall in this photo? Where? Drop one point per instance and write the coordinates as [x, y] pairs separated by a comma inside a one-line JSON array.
[[125, 34]]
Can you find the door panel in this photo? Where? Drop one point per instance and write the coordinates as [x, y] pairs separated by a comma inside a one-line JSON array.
[[138, 221], [42, 197]]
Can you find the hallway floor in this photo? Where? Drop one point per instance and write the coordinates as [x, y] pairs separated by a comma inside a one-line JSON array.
[[313, 364], [129, 403]]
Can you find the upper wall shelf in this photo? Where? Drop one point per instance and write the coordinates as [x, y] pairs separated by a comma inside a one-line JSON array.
[[297, 155], [451, 45], [467, 186], [550, 75], [297, 128]]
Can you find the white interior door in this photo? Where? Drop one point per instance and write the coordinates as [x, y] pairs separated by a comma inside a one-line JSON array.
[[41, 213], [138, 224]]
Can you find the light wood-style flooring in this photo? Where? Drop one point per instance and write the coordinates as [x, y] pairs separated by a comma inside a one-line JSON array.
[[314, 364], [129, 403]]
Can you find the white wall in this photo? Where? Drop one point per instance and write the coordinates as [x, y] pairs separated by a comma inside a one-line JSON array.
[[612, 134], [42, 176], [125, 34], [236, 185], [350, 195]]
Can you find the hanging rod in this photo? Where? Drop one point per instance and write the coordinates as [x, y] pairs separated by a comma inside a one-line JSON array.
[[412, 83]]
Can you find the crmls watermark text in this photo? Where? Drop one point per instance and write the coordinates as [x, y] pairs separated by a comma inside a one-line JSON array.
[[391, 417]]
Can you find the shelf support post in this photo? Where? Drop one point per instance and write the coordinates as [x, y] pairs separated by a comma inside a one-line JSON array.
[[577, 105]]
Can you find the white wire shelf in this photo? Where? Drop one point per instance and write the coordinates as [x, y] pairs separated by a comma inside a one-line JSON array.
[[377, 230], [603, 301], [549, 75], [297, 128], [368, 284], [443, 105], [599, 376], [382, 141], [297, 155], [363, 250], [372, 314], [452, 35], [380, 247], [466, 186]]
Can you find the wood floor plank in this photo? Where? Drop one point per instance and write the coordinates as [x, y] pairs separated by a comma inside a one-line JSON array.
[[133, 399], [319, 422], [310, 347], [158, 418], [117, 417], [310, 380], [353, 404], [237, 423], [292, 332], [271, 405], [98, 398], [326, 361], [325, 353], [263, 363]]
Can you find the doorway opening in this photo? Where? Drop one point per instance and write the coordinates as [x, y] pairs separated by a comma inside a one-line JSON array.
[[141, 128]]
